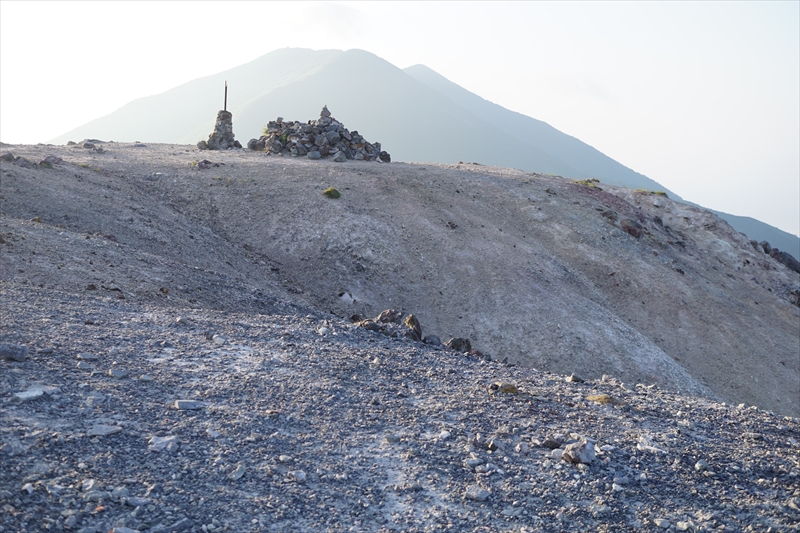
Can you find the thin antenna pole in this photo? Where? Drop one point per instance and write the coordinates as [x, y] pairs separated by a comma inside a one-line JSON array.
[[225, 108]]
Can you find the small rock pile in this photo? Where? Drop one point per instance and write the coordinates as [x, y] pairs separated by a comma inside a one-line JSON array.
[[47, 162], [782, 257], [222, 137], [317, 139], [395, 324]]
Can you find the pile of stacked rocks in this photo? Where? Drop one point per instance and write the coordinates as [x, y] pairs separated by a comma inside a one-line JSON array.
[[317, 139], [222, 137]]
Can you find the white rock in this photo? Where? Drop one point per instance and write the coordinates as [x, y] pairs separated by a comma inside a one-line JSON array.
[[237, 474], [579, 452], [30, 394], [476, 493], [219, 340], [158, 444], [101, 430], [298, 476]]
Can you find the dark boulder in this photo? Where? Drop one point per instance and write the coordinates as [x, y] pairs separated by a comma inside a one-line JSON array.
[[433, 340], [413, 324], [390, 316], [459, 344], [22, 162], [786, 259], [631, 227]]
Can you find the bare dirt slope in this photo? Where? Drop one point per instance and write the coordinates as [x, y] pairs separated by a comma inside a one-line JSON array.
[[531, 268]]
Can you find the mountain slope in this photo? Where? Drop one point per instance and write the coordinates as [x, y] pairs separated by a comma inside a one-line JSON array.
[[583, 157], [532, 268]]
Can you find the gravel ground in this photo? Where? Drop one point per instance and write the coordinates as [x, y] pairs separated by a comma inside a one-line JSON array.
[[155, 419]]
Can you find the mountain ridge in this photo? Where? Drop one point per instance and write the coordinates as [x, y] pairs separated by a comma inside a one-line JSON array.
[[414, 124]]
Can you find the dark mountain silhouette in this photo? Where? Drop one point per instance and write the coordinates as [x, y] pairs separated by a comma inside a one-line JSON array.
[[415, 113]]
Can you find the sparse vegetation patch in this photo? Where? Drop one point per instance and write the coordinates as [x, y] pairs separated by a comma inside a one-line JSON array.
[[589, 182]]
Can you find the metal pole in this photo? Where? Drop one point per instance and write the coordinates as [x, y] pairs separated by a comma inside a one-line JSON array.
[[225, 108]]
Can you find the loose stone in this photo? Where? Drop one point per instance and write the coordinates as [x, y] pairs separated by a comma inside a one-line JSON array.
[[158, 444], [579, 452], [237, 474], [13, 352], [185, 405], [101, 430], [477, 493], [298, 476], [28, 395]]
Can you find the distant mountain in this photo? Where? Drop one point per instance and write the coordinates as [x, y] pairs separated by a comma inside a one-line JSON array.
[[582, 157], [415, 113]]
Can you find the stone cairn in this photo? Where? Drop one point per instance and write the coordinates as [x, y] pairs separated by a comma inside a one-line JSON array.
[[318, 139], [222, 137]]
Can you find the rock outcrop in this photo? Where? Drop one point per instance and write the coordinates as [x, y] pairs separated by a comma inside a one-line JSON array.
[[317, 139], [222, 138]]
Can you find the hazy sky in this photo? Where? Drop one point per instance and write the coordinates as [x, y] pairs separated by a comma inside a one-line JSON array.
[[702, 97]]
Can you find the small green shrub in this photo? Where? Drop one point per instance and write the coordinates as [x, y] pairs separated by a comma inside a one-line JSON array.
[[642, 191], [331, 193], [590, 182]]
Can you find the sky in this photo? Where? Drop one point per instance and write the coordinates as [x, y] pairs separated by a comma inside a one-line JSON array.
[[703, 97]]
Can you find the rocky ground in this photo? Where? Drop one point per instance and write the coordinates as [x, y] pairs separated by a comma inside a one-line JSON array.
[[154, 419], [190, 365]]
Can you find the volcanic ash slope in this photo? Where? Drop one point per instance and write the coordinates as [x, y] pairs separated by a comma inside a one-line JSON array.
[[539, 270]]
